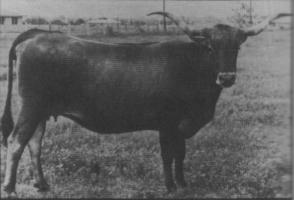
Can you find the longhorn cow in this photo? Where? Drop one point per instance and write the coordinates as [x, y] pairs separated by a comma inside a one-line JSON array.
[[171, 87]]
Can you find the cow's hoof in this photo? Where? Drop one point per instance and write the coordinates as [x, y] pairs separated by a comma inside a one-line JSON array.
[[8, 193], [42, 186], [171, 187], [11, 195], [182, 183]]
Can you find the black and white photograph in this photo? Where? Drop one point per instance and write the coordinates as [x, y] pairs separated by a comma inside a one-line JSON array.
[[143, 99]]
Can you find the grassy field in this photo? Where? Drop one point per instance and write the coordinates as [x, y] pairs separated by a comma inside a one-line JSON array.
[[243, 152]]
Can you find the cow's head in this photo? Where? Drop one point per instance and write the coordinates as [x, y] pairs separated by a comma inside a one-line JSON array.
[[224, 42]]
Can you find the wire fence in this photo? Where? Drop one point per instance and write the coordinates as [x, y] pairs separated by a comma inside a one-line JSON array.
[[243, 12], [113, 29]]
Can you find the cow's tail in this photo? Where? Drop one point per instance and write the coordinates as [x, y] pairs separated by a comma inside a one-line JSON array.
[[7, 121]]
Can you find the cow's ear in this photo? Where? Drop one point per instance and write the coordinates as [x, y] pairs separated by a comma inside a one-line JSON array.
[[242, 38]]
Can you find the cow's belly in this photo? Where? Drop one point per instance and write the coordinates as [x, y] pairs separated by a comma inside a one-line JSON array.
[[116, 120]]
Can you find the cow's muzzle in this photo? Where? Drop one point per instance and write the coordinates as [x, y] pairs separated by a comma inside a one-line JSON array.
[[226, 79]]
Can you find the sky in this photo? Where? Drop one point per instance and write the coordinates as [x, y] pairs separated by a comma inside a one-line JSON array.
[[135, 8]]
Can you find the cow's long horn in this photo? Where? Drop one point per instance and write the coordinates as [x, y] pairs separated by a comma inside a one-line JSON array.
[[254, 30], [182, 25]]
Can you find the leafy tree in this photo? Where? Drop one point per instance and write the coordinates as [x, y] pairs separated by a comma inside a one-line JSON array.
[[241, 16], [58, 22], [36, 21], [78, 21]]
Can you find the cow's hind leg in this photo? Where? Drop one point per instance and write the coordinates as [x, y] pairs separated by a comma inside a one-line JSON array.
[[179, 154], [27, 122], [35, 145]]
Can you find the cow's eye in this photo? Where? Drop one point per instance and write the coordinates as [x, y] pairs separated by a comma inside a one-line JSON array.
[[210, 50]]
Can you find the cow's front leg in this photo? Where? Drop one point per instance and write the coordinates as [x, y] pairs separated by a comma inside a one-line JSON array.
[[166, 144], [35, 145], [23, 131], [180, 151]]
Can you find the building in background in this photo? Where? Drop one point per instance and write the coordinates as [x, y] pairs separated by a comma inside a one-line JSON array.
[[10, 21], [10, 18]]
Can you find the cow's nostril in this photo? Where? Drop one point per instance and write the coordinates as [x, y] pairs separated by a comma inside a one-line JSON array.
[[227, 76], [226, 79]]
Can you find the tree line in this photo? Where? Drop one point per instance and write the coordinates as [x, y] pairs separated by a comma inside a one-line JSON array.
[[56, 21]]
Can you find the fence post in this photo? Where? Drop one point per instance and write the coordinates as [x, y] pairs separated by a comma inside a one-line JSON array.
[[164, 19], [87, 28], [126, 26], [117, 27], [26, 25], [250, 20], [68, 28]]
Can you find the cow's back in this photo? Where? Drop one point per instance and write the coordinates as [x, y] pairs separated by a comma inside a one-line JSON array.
[[123, 85]]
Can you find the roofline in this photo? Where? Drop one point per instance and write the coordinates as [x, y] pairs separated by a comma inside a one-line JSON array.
[[10, 15]]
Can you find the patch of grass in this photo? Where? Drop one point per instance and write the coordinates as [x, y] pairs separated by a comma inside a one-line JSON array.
[[243, 152]]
